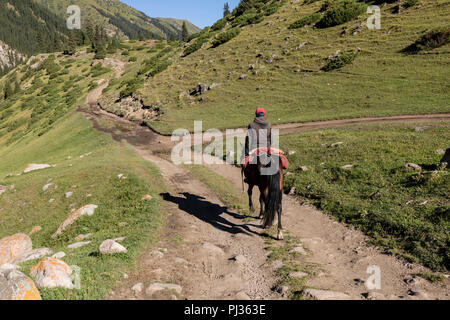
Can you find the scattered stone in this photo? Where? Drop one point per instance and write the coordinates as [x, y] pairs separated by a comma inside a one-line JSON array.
[[138, 288], [59, 255], [336, 144], [34, 255], [2, 190], [212, 248], [147, 197], [120, 239], [35, 229], [51, 200], [421, 295], [242, 296], [440, 152], [82, 237], [242, 76], [420, 129], [68, 194], [292, 192], [48, 185], [33, 167], [155, 287], [348, 167], [240, 259], [52, 273], [324, 295], [86, 210], [277, 264], [413, 166], [303, 168], [290, 153], [111, 247], [199, 90], [300, 250], [14, 285], [301, 45], [125, 276], [298, 274], [77, 245], [14, 247], [373, 296]]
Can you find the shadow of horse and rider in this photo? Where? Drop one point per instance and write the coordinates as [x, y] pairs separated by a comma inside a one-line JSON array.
[[264, 169]]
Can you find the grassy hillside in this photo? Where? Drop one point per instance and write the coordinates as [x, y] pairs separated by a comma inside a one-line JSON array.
[[39, 125], [268, 64], [119, 16]]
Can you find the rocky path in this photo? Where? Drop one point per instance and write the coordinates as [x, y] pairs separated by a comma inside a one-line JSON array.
[[203, 238]]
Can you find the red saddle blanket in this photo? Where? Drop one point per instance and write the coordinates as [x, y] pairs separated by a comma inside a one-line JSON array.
[[269, 151]]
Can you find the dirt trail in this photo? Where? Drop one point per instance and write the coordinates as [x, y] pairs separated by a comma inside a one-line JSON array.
[[196, 215], [202, 236]]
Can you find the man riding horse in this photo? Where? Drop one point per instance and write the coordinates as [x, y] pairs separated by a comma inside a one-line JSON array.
[[262, 166]]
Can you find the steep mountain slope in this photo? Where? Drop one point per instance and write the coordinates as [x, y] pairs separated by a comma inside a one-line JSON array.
[[26, 28], [268, 64], [119, 17]]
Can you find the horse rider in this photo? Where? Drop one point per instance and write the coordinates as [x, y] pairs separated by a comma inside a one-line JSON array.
[[259, 133]]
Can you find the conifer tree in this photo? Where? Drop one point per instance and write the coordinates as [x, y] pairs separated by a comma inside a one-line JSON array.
[[226, 9], [185, 33]]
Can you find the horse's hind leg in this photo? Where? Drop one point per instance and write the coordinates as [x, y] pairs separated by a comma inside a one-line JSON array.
[[262, 203], [250, 200], [280, 227]]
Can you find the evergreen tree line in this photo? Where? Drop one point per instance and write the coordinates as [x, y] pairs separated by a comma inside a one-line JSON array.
[[31, 28]]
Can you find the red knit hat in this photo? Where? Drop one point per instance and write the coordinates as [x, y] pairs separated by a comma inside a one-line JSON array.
[[260, 110]]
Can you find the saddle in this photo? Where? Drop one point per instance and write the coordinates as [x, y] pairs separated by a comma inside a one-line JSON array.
[[266, 151]]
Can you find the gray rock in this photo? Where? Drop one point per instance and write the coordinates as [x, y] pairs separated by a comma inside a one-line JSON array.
[[348, 167], [413, 166], [68, 194], [2, 190], [14, 285], [111, 247], [59, 255], [181, 261], [242, 296], [48, 185], [33, 167], [336, 144], [240, 259], [138, 288], [33, 255], [52, 273], [324, 295]]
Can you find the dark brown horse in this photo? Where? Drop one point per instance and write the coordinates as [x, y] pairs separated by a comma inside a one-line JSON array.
[[270, 187]]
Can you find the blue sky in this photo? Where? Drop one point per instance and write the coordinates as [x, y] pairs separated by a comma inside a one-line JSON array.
[[202, 13]]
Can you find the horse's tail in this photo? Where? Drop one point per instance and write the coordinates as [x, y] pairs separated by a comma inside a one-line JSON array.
[[274, 197]]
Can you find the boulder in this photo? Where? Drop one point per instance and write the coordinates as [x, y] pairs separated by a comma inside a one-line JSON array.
[[413, 166], [33, 167], [111, 247], [446, 158], [86, 210], [14, 247], [14, 285], [324, 295], [34, 255], [52, 273]]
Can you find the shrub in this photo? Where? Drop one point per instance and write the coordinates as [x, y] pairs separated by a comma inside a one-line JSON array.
[[305, 21], [132, 85], [246, 19], [197, 44], [340, 61], [341, 12], [431, 40], [410, 3], [132, 59], [226, 36]]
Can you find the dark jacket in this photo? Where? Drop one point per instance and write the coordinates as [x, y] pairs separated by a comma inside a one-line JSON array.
[[257, 138]]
